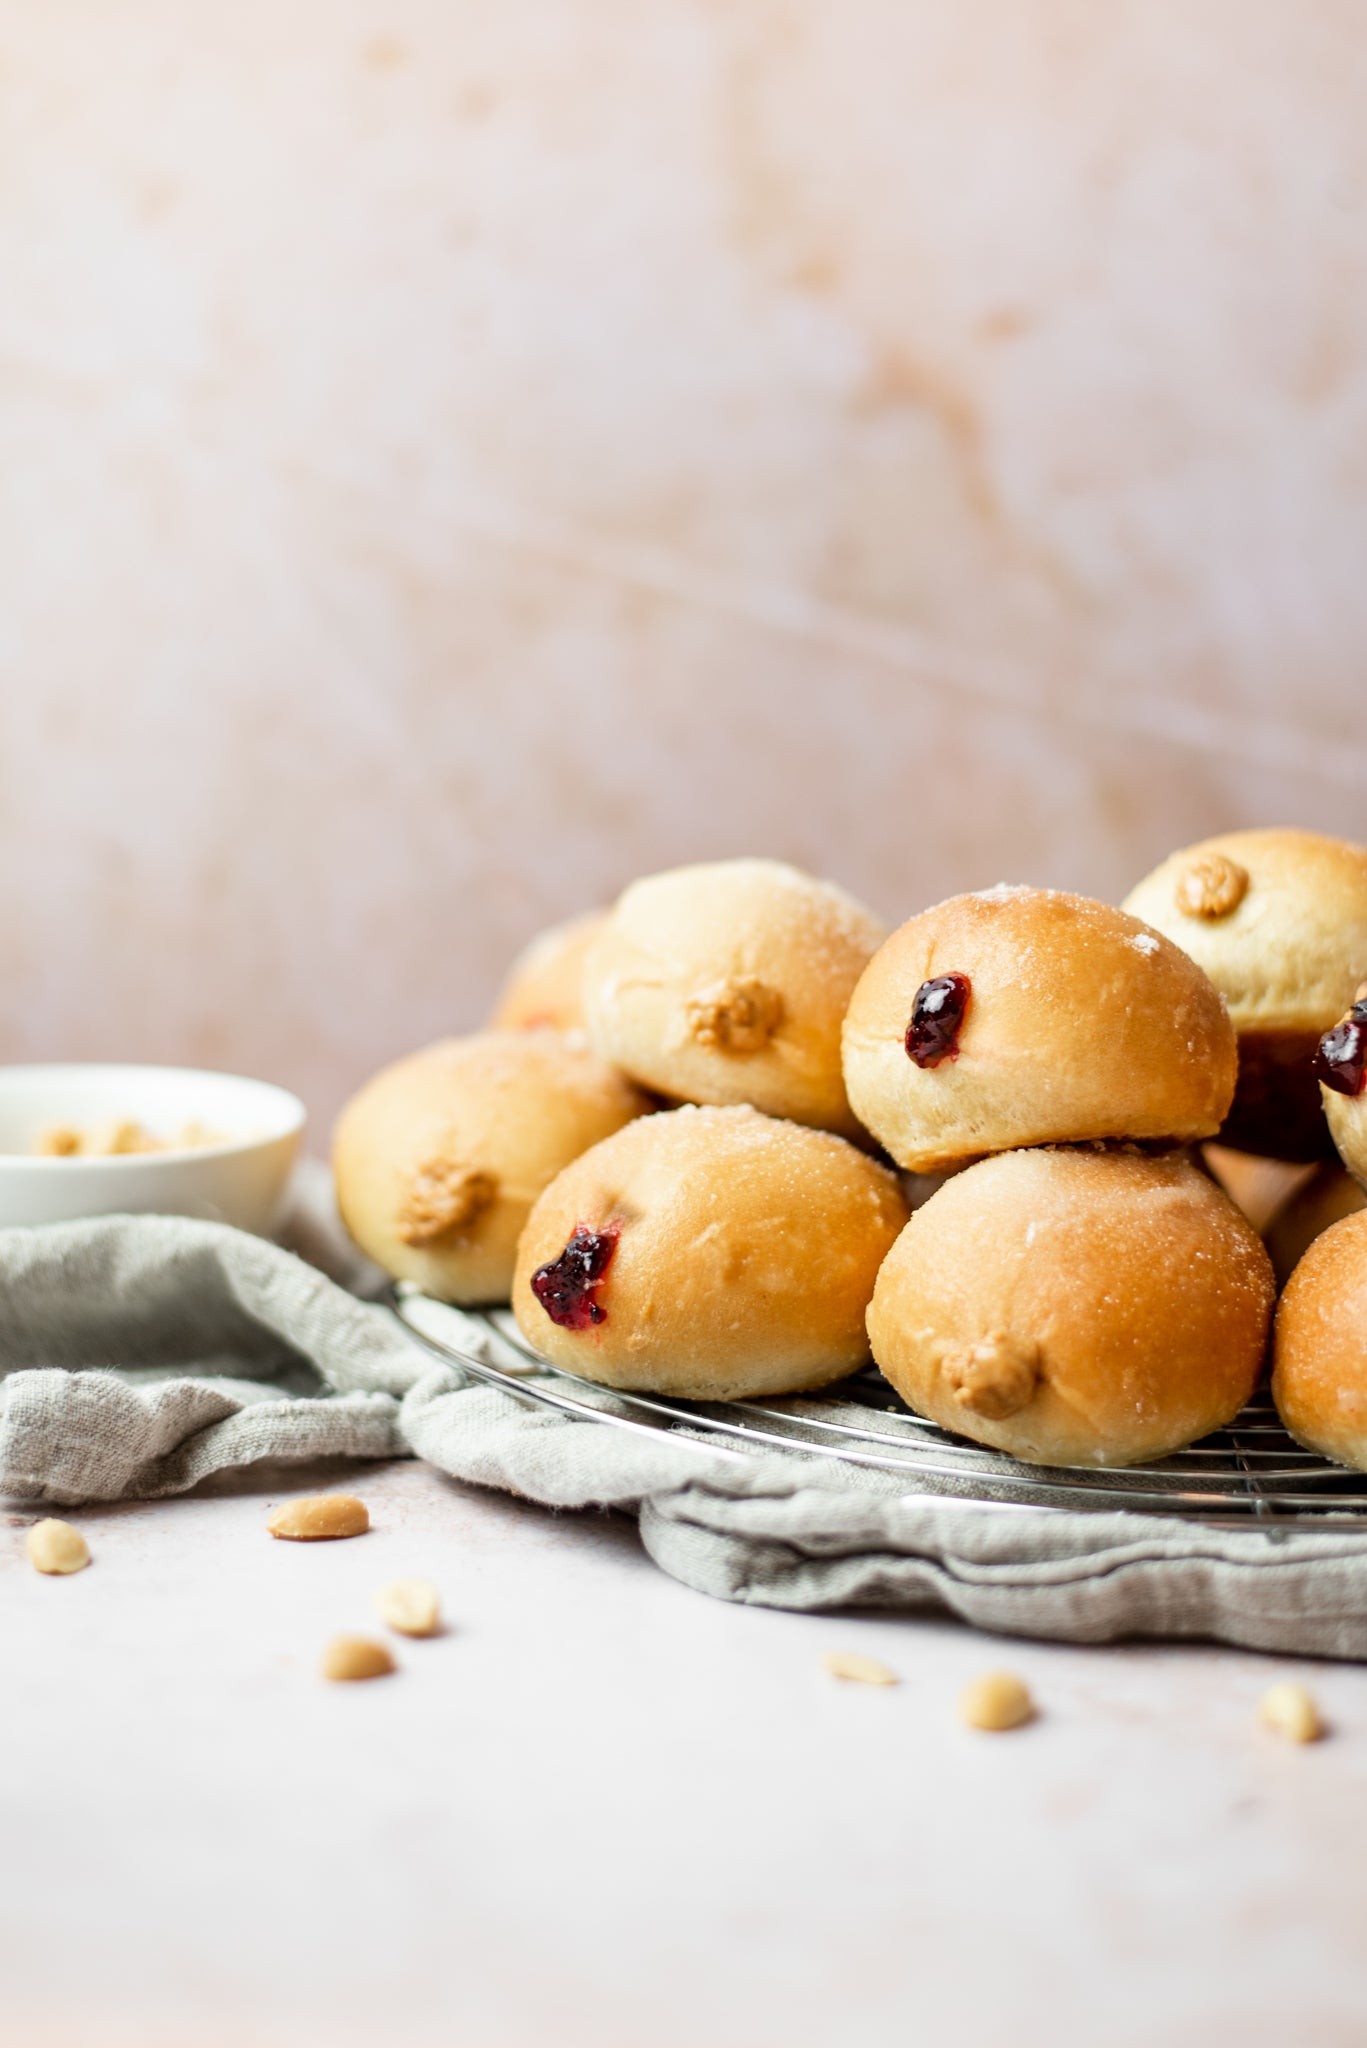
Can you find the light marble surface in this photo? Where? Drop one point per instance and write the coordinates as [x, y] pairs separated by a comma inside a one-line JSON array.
[[604, 1810], [454, 457]]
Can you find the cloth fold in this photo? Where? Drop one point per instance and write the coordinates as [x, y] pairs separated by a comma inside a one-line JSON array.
[[141, 1354]]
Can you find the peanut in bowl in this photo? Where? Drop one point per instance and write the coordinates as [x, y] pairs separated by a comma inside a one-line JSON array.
[[85, 1140]]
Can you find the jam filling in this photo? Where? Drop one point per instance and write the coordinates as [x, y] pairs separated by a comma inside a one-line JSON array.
[[1341, 1060], [567, 1287], [937, 1017]]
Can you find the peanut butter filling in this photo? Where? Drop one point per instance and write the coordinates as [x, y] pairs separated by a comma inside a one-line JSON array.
[[1211, 886], [444, 1200], [736, 1016], [996, 1378]]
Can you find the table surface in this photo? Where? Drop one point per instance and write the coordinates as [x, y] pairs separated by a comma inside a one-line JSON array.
[[603, 1809]]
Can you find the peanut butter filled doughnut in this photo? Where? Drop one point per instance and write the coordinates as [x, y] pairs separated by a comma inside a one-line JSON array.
[[1076, 1306], [710, 1254], [1278, 920], [727, 983], [1031, 1017], [440, 1157]]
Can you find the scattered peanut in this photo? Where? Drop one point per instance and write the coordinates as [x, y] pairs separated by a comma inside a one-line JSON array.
[[997, 1701], [411, 1607], [1290, 1711], [349, 1657], [320, 1517], [863, 1670], [56, 1547]]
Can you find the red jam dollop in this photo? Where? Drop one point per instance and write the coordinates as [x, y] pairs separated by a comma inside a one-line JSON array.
[[1341, 1058], [567, 1287], [937, 1017]]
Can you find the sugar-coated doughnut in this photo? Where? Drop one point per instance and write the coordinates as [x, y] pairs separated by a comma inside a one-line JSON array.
[[1278, 920], [439, 1158], [1029, 1017], [544, 985], [1319, 1350], [1076, 1306], [710, 1254], [727, 983]]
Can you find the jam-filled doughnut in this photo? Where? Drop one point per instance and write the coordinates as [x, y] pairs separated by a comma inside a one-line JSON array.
[[1278, 920], [545, 983], [1319, 1349], [1030, 1017], [1340, 1066], [727, 983], [708, 1253], [439, 1158], [1076, 1306]]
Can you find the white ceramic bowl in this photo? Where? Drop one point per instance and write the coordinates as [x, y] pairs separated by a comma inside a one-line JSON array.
[[242, 1181]]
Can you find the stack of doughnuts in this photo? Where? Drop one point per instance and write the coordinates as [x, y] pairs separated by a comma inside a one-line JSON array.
[[1078, 1292], [725, 1245], [1278, 920], [686, 1148], [728, 1246]]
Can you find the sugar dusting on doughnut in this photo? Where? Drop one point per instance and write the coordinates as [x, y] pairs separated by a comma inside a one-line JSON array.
[[1076, 1305], [727, 983], [1084, 1024], [745, 1255]]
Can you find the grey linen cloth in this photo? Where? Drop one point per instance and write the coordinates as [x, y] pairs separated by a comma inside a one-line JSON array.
[[139, 1355]]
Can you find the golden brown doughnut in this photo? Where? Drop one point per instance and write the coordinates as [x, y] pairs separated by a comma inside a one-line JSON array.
[[545, 983], [709, 1254], [1076, 1306], [1077, 1022], [1319, 1350], [439, 1158], [1278, 920], [727, 983]]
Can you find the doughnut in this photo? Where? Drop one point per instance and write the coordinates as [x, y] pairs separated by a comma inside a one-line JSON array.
[[1075, 1306], [1326, 1198], [727, 983], [545, 981], [1278, 920], [1319, 1346], [1340, 1066], [1031, 1017], [440, 1157], [710, 1254]]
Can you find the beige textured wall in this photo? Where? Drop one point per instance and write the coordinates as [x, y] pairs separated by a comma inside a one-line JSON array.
[[455, 456]]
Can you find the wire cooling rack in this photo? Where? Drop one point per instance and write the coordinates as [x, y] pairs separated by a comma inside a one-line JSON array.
[[1251, 1473]]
